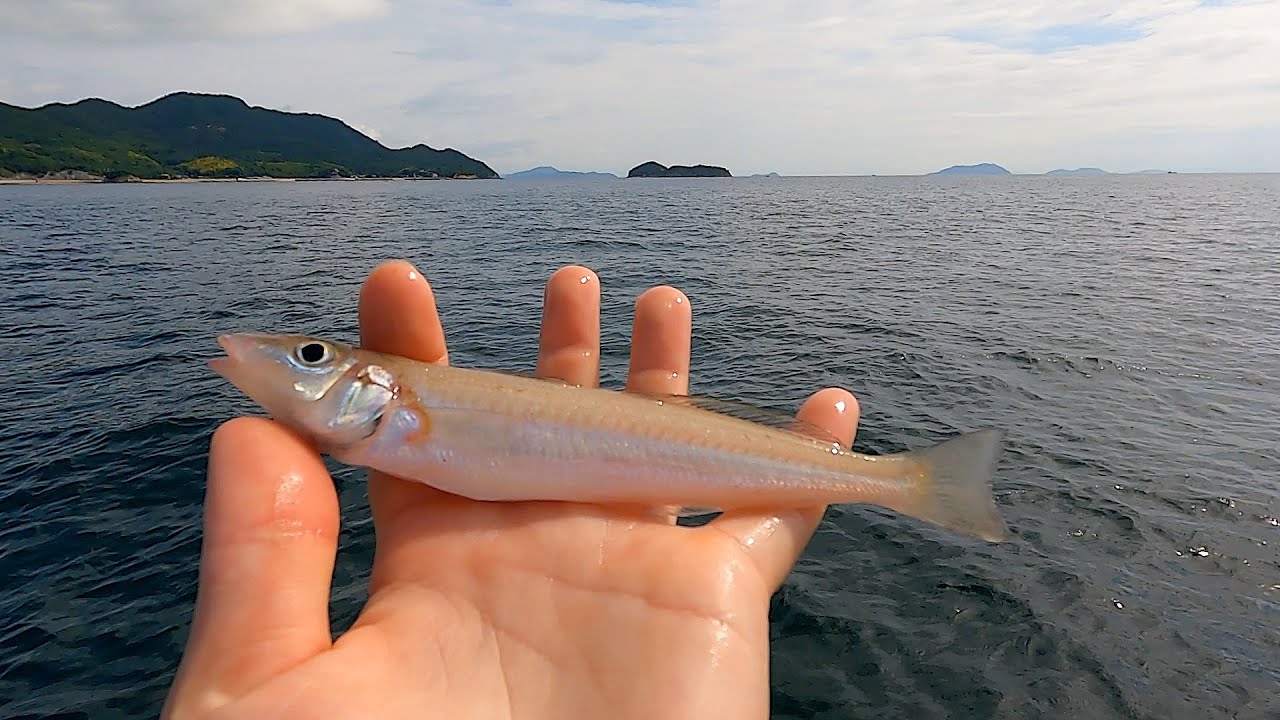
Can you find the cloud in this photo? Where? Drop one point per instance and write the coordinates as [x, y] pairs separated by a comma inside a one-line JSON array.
[[168, 20], [457, 101], [367, 131], [797, 86], [1056, 38]]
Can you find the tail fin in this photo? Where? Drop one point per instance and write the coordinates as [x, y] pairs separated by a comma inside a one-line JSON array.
[[953, 487]]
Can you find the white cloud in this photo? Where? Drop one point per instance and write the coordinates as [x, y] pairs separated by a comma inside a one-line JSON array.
[[367, 130], [797, 86], [168, 20]]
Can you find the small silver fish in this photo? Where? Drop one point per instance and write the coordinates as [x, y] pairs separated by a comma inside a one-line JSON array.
[[505, 437]]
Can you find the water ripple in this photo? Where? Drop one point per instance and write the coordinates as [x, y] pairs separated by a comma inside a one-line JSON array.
[[1121, 330]]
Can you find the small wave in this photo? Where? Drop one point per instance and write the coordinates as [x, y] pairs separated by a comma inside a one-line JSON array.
[[1089, 366]]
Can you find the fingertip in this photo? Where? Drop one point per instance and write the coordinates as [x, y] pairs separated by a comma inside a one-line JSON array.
[[664, 300], [569, 342], [389, 280], [398, 268], [661, 338], [265, 481], [835, 410], [841, 402], [239, 433], [571, 307], [572, 276], [398, 313]]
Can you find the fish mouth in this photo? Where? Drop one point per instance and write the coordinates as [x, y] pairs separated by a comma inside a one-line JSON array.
[[233, 345]]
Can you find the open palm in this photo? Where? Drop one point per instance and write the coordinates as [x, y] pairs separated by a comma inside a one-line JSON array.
[[484, 610]]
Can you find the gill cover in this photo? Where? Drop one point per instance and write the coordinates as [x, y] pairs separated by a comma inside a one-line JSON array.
[[363, 401]]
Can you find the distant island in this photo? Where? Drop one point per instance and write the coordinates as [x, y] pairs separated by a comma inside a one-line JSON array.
[[193, 135], [979, 169], [544, 172], [658, 170], [1079, 171], [767, 175]]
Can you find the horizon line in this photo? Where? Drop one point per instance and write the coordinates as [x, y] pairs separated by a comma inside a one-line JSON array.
[[1011, 173]]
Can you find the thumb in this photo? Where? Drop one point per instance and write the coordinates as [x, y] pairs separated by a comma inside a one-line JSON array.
[[270, 541]]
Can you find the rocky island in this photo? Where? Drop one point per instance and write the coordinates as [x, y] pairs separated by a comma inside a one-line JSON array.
[[979, 169], [190, 135], [657, 170]]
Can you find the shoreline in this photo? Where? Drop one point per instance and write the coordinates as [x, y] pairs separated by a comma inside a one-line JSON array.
[[141, 181]]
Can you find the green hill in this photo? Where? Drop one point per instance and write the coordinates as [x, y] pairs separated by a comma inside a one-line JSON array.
[[198, 135]]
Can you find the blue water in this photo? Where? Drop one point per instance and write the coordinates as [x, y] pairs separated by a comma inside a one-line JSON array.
[[1124, 330]]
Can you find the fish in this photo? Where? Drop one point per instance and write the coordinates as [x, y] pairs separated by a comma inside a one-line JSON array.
[[503, 436]]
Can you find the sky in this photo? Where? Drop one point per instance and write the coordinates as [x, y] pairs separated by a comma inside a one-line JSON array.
[[799, 87]]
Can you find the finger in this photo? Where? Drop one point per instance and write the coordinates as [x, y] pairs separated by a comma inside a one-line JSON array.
[[660, 346], [398, 315], [775, 540], [569, 347], [270, 538], [660, 342]]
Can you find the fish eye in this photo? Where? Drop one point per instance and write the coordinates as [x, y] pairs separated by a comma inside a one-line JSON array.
[[313, 353]]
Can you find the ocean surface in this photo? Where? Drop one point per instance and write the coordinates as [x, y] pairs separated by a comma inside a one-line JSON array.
[[1125, 331]]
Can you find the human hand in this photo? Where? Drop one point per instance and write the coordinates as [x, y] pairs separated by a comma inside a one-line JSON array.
[[484, 610]]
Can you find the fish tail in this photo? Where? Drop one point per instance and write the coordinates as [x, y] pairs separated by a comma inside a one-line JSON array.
[[951, 485]]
